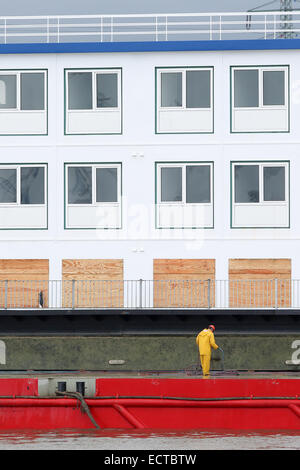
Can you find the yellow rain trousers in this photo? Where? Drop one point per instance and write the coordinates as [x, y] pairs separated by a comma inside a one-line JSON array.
[[205, 341]]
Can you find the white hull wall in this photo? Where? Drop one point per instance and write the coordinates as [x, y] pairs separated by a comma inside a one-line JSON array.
[[138, 242]]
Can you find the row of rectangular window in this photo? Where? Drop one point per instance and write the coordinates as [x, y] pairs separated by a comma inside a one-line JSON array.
[[187, 183], [253, 183], [184, 100], [184, 195]]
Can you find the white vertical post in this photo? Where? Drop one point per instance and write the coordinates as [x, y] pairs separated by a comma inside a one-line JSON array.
[[166, 28], [265, 26]]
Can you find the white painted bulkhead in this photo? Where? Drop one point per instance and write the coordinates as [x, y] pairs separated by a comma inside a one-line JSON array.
[[138, 148]]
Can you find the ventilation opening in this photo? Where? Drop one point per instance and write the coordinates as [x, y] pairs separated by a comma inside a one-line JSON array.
[[80, 387], [61, 386]]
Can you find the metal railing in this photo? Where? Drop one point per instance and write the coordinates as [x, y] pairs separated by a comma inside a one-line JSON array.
[[149, 27], [149, 294]]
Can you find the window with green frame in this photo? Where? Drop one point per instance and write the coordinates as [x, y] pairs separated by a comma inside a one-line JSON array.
[[260, 99], [184, 99], [260, 194], [184, 194]]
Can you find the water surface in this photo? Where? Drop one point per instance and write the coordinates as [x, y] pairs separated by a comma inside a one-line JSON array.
[[117, 440]]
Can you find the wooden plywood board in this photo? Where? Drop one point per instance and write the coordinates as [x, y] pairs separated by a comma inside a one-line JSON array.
[[92, 283], [184, 266], [190, 293], [267, 268], [23, 282], [186, 283], [93, 294], [260, 283], [24, 268], [92, 269], [23, 294]]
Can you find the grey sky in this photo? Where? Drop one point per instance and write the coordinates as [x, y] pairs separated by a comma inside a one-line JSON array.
[[86, 7]]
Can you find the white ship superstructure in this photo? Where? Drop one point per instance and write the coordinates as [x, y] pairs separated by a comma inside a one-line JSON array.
[[150, 162]]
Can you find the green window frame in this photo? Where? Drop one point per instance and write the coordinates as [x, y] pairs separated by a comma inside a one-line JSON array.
[[261, 69], [260, 201], [183, 165], [94, 166], [183, 70]]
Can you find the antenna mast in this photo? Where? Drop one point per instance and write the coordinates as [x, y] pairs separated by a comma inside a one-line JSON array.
[[285, 18]]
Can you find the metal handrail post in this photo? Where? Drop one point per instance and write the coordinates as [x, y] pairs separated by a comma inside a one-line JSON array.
[[5, 299], [208, 293], [73, 293], [141, 292]]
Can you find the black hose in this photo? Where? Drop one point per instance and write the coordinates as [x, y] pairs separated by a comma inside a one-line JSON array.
[[194, 398], [84, 406], [144, 397]]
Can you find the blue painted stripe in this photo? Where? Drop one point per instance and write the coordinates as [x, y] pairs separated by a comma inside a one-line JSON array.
[[85, 47]]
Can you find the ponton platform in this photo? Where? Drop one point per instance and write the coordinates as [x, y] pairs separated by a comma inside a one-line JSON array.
[[150, 400]]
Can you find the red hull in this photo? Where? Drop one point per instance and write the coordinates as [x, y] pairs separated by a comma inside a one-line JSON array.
[[157, 403]]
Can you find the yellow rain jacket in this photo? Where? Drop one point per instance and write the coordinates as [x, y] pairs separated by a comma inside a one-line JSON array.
[[205, 341]]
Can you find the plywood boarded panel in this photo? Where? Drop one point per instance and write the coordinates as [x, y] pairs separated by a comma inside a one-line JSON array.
[[24, 268], [186, 283], [23, 283], [260, 283], [89, 268], [199, 267], [92, 283]]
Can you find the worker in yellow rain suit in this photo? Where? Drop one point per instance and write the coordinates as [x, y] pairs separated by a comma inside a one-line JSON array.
[[205, 341]]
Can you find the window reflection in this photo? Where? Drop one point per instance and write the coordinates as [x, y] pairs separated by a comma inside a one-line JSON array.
[[80, 185], [246, 183], [8, 185]]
